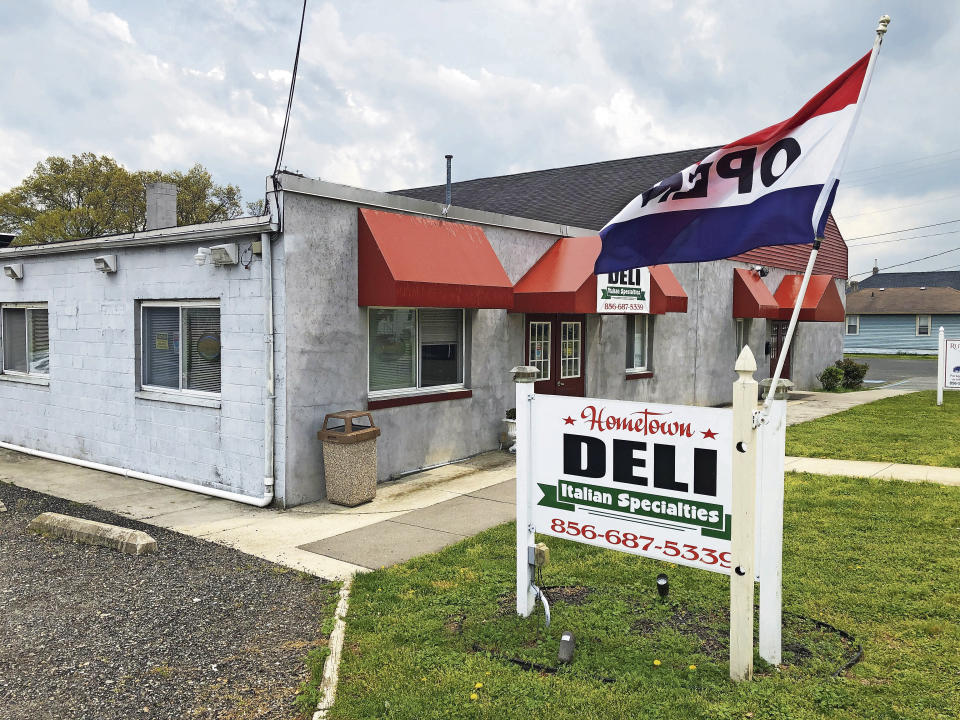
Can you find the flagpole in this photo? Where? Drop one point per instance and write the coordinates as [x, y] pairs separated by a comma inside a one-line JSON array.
[[834, 176]]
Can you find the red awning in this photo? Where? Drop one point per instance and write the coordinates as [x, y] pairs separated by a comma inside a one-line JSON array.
[[821, 303], [413, 261], [562, 281], [751, 298]]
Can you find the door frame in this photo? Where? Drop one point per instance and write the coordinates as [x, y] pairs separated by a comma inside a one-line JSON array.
[[555, 385]]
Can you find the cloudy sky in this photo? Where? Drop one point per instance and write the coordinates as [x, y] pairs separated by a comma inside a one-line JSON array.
[[386, 88]]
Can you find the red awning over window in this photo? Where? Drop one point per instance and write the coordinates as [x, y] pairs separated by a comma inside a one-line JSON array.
[[412, 261], [751, 298], [562, 281], [821, 303]]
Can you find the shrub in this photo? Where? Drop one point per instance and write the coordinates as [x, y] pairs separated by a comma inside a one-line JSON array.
[[853, 372], [830, 378]]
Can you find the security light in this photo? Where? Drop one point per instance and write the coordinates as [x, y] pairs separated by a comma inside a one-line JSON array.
[[663, 585], [201, 257], [106, 263], [14, 272], [760, 270], [227, 254]]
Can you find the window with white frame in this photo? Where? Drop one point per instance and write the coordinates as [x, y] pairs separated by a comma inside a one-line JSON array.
[[853, 324], [25, 337], [638, 343], [180, 347], [412, 349], [743, 334], [923, 324], [538, 348]]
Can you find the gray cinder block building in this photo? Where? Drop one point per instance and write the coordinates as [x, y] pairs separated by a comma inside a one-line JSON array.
[[207, 356]]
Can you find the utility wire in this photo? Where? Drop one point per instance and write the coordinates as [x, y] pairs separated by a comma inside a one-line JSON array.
[[854, 171], [894, 232], [898, 207], [893, 240], [908, 262], [293, 83]]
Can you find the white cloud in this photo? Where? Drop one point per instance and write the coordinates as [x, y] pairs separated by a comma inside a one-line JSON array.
[[104, 22]]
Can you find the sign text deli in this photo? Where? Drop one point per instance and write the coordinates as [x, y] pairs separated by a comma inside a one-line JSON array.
[[649, 479]]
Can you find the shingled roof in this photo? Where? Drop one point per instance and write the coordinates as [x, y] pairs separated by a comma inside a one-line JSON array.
[[904, 301], [583, 196], [936, 278]]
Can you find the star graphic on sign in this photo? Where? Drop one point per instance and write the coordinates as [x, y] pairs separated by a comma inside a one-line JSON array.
[[708, 433], [568, 420]]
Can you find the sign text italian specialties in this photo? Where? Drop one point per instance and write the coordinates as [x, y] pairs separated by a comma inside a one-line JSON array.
[[643, 478]]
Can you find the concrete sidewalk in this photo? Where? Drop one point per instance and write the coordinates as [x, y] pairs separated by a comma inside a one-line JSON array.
[[804, 405], [869, 468], [425, 512]]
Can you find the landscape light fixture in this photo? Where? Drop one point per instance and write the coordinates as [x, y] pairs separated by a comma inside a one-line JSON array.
[[567, 645], [663, 585]]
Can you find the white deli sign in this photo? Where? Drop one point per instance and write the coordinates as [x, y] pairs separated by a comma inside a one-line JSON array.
[[951, 368], [648, 479], [624, 292]]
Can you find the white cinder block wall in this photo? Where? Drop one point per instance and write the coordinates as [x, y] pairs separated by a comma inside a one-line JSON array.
[[90, 409]]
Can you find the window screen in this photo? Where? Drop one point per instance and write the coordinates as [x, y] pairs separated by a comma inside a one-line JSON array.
[[637, 350], [38, 346], [923, 324], [853, 324], [441, 347], [15, 340], [392, 355], [201, 351]]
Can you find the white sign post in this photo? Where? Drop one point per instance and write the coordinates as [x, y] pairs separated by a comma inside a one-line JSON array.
[[948, 365], [670, 482], [771, 437]]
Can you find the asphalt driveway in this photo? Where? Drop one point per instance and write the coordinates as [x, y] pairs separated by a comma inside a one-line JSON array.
[[905, 374]]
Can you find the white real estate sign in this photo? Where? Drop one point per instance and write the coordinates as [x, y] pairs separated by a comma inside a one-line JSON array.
[[951, 370], [648, 479], [624, 292]]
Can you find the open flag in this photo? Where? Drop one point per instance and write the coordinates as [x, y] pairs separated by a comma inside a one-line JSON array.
[[774, 187]]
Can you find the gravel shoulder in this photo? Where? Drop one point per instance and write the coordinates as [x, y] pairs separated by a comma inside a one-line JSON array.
[[196, 630]]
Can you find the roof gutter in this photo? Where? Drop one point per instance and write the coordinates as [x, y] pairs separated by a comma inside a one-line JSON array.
[[168, 236]]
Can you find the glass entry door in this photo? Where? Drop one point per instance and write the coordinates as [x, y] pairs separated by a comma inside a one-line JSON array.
[[777, 338], [555, 346]]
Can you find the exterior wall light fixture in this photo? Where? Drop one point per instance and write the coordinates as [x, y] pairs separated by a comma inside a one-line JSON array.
[[14, 271], [106, 263]]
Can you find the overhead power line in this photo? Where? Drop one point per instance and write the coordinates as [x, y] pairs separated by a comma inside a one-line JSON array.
[[899, 207], [894, 232], [908, 262], [893, 240], [854, 171], [293, 83]]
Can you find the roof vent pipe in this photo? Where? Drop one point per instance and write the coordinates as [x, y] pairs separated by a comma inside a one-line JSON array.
[[448, 195]]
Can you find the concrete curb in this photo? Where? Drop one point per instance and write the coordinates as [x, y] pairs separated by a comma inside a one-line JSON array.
[[129, 542], [331, 669]]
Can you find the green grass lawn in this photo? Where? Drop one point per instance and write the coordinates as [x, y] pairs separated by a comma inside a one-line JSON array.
[[905, 429], [878, 559]]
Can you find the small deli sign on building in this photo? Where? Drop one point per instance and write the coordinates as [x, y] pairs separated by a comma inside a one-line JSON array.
[[648, 479], [627, 291]]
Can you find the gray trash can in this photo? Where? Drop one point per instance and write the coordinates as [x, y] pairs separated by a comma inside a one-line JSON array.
[[350, 457]]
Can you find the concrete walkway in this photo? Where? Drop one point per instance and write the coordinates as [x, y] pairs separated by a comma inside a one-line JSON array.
[[419, 514], [869, 468], [804, 406]]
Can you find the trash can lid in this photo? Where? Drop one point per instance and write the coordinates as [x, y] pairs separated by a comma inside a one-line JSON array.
[[348, 432]]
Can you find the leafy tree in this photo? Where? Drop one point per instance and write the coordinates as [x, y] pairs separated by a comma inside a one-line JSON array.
[[89, 195]]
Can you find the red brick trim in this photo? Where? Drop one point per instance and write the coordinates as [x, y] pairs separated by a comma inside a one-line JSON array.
[[639, 375], [418, 399]]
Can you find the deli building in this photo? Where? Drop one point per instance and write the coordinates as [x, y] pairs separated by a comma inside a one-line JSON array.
[[208, 355]]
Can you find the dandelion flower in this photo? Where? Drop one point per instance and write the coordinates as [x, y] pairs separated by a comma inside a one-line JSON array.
[[478, 686], [474, 696], [693, 667], [656, 663]]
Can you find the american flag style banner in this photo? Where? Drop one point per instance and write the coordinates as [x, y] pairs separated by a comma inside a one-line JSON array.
[[774, 187]]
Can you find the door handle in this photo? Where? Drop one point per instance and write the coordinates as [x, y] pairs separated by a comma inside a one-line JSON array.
[[560, 384]]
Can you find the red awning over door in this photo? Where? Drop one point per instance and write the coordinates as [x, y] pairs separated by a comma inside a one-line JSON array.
[[562, 281], [751, 298], [821, 303], [413, 261]]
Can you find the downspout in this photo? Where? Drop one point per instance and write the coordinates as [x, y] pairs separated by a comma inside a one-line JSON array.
[[270, 399]]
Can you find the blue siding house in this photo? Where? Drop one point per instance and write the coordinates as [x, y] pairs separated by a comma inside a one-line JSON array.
[[900, 318]]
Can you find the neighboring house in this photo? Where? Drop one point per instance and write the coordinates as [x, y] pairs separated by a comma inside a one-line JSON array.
[[207, 356], [901, 318]]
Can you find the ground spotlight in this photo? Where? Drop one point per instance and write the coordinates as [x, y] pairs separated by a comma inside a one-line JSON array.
[[663, 585]]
